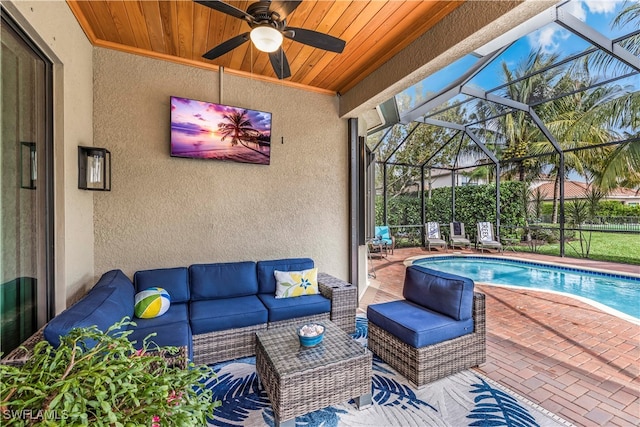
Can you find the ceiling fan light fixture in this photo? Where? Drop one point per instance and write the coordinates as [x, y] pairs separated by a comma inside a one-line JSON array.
[[266, 38]]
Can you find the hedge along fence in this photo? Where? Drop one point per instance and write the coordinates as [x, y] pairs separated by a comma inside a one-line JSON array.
[[473, 203]]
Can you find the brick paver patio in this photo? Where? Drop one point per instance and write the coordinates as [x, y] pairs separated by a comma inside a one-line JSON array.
[[569, 357]]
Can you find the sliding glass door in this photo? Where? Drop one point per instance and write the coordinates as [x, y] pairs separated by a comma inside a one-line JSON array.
[[26, 171]]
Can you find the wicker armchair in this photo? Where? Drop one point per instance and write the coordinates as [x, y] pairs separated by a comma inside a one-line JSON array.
[[422, 365]]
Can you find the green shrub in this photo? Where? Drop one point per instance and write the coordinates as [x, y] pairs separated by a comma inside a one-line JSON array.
[[606, 208], [110, 384], [473, 203], [546, 235], [616, 208]]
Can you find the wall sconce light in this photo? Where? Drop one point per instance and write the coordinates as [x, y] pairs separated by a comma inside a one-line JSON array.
[[94, 169], [28, 165]]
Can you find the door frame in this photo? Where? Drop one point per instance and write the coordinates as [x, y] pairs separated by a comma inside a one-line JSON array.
[[46, 197]]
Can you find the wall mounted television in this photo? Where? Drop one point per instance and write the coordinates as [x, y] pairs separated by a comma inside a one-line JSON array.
[[204, 130]]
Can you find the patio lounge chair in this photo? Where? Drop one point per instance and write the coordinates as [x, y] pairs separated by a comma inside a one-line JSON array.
[[383, 234], [457, 236], [433, 236], [486, 237]]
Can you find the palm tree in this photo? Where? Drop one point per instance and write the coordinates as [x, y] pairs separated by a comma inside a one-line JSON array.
[[629, 16], [581, 119], [621, 165], [516, 130], [239, 129]]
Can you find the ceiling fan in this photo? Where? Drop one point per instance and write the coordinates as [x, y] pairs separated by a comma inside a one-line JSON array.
[[268, 23]]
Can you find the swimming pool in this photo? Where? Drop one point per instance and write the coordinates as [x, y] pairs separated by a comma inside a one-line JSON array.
[[617, 292]]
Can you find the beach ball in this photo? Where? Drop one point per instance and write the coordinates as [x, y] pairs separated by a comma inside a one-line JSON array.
[[151, 302]]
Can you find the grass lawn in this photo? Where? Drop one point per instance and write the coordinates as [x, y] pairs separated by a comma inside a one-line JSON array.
[[616, 247]]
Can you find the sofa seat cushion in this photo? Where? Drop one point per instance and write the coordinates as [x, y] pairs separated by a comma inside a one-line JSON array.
[[223, 280], [102, 306], [174, 280], [416, 325], [289, 308], [177, 313], [228, 313], [173, 334], [441, 292], [266, 277]]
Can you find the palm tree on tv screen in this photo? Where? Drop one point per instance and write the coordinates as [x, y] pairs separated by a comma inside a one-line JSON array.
[[239, 128]]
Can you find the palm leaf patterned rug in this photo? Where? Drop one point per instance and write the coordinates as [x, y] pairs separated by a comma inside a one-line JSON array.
[[463, 399]]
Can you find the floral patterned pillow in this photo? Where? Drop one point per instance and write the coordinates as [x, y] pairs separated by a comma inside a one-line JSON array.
[[296, 283]]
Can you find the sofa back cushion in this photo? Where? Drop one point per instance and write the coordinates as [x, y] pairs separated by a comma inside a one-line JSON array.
[[223, 280], [173, 280], [108, 302], [266, 278], [111, 278], [442, 292]]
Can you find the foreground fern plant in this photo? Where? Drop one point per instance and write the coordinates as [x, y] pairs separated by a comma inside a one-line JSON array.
[[109, 384]]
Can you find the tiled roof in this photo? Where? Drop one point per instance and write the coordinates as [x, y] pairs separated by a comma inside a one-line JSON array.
[[578, 190]]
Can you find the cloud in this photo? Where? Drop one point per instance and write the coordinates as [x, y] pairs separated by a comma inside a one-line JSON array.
[[548, 38], [602, 6], [576, 8], [182, 100], [188, 128]]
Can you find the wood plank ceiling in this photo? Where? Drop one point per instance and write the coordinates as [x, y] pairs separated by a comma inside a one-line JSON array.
[[181, 30]]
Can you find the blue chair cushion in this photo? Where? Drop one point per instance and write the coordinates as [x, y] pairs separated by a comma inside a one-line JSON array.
[[266, 279], [173, 280], [440, 292], [173, 334], [229, 313], [415, 325], [383, 234], [102, 307], [289, 308], [223, 280], [177, 313]]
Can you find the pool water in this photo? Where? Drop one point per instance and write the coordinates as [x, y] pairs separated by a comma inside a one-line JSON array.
[[618, 292]]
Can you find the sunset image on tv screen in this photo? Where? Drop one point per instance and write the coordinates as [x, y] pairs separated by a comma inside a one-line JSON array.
[[205, 130]]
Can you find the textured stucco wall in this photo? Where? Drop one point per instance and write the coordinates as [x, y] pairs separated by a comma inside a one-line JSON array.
[[54, 28], [166, 212]]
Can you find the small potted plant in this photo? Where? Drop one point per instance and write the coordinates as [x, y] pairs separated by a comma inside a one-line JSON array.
[[107, 384]]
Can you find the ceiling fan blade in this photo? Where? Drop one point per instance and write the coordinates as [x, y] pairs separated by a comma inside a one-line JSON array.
[[315, 39], [280, 64], [227, 46], [223, 7], [284, 8]]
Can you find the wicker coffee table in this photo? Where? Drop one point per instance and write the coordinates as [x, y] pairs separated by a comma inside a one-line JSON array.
[[300, 380]]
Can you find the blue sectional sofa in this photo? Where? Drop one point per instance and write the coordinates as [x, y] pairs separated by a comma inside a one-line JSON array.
[[215, 308]]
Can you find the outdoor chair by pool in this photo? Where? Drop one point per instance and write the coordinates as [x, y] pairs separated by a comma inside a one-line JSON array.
[[433, 236], [458, 236], [437, 330], [383, 234], [486, 237]]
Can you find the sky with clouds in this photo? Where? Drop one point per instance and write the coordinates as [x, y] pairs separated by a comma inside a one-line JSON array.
[[597, 13], [551, 38], [194, 116]]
